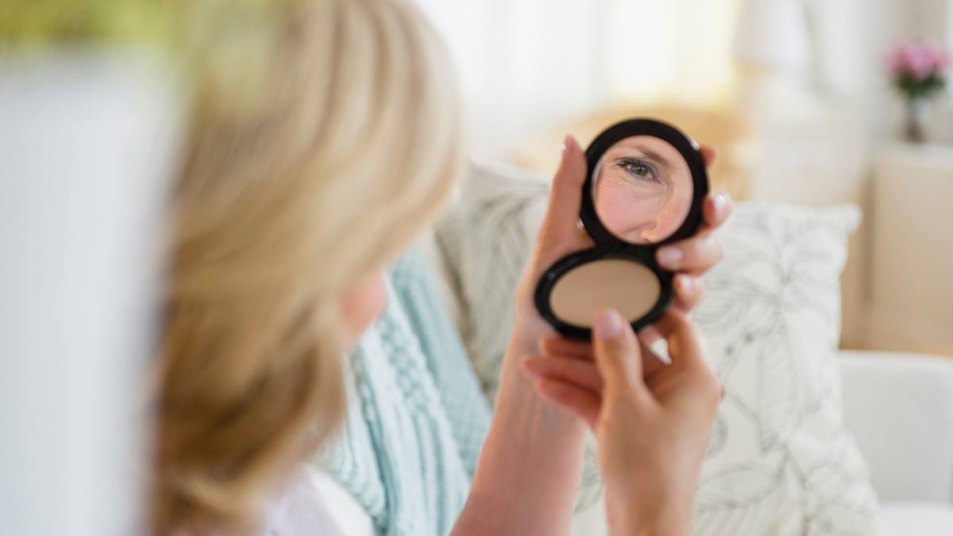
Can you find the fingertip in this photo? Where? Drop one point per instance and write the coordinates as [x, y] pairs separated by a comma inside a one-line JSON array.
[[566, 150], [689, 292], [566, 191], [570, 143], [573, 164], [670, 257], [685, 285], [617, 353], [569, 147], [709, 154], [718, 208], [607, 325]]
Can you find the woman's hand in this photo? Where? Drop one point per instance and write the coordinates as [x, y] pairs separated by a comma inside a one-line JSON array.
[[652, 422], [531, 442], [560, 235]]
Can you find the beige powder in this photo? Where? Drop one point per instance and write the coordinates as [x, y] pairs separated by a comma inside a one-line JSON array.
[[627, 286]]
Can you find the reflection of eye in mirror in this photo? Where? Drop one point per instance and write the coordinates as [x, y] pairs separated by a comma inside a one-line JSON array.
[[643, 189]]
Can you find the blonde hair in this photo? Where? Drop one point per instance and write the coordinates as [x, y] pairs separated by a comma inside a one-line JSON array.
[[324, 136]]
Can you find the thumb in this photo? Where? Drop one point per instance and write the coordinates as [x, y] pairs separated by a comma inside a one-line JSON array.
[[617, 353], [562, 213]]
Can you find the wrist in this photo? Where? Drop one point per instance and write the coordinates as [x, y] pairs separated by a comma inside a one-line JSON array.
[[659, 526], [528, 329], [518, 398], [636, 518]]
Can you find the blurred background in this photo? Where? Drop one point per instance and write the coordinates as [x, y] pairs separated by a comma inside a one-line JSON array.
[[813, 102], [800, 96], [531, 63]]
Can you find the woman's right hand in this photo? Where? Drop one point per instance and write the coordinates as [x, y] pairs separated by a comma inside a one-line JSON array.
[[652, 421]]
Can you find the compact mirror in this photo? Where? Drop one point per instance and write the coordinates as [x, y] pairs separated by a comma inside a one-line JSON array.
[[645, 187]]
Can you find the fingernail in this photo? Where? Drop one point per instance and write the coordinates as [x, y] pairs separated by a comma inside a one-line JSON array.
[[569, 141], [687, 283], [607, 325], [669, 257], [720, 201]]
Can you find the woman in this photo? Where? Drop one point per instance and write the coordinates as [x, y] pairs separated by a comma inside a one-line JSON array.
[[325, 136]]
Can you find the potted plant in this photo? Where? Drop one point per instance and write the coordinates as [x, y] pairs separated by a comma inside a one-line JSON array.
[[918, 71]]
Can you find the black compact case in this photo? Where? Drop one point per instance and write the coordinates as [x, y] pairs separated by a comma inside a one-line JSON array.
[[610, 246]]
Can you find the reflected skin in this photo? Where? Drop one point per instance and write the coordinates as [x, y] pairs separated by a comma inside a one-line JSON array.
[[643, 190]]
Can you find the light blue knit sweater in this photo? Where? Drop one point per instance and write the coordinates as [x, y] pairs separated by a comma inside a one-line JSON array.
[[416, 416]]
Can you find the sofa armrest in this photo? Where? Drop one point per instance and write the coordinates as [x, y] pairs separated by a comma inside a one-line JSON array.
[[900, 409]]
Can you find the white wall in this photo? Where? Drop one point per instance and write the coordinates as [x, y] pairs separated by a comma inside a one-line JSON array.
[[527, 65], [523, 64]]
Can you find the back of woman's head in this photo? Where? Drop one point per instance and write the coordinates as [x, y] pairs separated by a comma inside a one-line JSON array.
[[324, 135]]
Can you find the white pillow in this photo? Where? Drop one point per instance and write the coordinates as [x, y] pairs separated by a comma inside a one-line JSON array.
[[779, 460]]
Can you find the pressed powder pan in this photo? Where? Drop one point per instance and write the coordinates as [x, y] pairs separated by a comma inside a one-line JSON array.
[[626, 286], [645, 186]]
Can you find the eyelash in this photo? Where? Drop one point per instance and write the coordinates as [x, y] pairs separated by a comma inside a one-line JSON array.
[[627, 164]]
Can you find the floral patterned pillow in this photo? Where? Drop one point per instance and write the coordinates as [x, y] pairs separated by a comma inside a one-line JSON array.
[[780, 461]]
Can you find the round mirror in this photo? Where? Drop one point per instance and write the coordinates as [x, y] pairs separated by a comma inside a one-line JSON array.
[[643, 189]]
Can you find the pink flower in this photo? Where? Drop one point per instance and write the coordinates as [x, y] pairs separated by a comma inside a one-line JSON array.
[[941, 59], [917, 60]]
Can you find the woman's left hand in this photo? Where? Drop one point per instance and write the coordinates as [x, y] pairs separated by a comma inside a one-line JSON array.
[[560, 235]]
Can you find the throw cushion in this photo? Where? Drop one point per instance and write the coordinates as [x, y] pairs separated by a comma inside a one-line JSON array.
[[780, 460]]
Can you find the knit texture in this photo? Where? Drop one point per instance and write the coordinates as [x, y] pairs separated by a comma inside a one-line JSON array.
[[417, 417]]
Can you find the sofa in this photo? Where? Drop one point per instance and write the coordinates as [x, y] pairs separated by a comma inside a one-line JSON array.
[[899, 407]]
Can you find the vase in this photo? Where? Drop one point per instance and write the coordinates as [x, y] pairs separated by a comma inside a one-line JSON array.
[[914, 130]]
